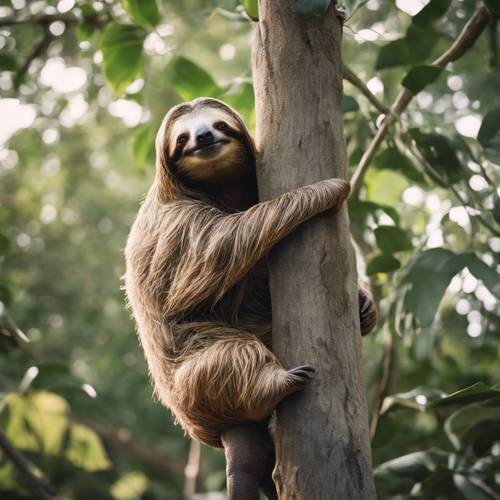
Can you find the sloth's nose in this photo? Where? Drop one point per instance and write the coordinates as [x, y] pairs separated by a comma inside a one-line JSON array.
[[204, 136]]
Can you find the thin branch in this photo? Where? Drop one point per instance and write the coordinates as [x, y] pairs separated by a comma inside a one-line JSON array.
[[384, 387], [462, 44], [150, 453], [192, 470], [42, 489], [354, 79], [39, 49]]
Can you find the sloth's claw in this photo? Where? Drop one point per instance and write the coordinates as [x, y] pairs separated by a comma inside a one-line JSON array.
[[301, 375]]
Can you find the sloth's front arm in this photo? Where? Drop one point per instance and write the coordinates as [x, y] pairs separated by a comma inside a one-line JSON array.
[[218, 249]]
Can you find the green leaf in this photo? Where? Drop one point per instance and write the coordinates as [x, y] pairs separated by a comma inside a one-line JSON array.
[[121, 47], [472, 490], [312, 7], [391, 239], [432, 12], [425, 294], [474, 393], [190, 80], [7, 63], [473, 422], [252, 8], [5, 295], [490, 128], [144, 146], [420, 76], [413, 49], [361, 208], [4, 245], [349, 104], [143, 12], [496, 208], [382, 264], [85, 30], [413, 400], [417, 466], [488, 275], [392, 159], [439, 154]]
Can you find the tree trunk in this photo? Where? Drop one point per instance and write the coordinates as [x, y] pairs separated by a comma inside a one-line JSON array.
[[322, 444]]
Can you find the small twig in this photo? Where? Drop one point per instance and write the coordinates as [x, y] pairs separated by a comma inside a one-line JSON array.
[[384, 387], [42, 489], [353, 79], [192, 470], [464, 42], [41, 20]]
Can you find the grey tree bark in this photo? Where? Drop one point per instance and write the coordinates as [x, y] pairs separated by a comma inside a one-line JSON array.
[[322, 442]]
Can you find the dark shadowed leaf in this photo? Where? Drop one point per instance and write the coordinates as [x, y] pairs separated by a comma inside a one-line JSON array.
[[414, 48], [312, 7], [7, 63], [349, 104], [488, 275], [382, 264], [4, 245], [472, 422], [420, 76], [251, 8], [496, 208], [121, 47], [190, 80], [473, 490], [494, 6], [490, 128], [416, 465], [431, 12], [392, 159], [429, 277], [439, 154], [416, 399], [360, 209], [143, 12], [392, 239], [474, 393]]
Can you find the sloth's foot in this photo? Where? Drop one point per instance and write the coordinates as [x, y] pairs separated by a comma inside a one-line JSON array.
[[298, 378], [368, 314], [249, 462]]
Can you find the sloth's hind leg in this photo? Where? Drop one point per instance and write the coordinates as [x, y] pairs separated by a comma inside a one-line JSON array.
[[249, 460]]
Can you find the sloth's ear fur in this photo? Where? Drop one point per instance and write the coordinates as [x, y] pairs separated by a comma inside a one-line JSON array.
[[169, 185]]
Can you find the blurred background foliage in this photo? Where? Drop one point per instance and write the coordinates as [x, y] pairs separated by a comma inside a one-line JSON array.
[[84, 85]]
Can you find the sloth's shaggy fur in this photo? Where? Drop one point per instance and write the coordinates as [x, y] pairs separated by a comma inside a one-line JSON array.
[[197, 282]]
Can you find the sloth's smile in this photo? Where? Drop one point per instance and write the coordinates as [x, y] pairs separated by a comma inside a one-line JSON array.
[[210, 149]]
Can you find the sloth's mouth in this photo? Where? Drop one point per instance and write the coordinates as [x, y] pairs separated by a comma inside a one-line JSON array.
[[211, 147]]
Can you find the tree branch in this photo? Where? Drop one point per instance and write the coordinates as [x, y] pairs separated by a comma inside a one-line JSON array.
[[39, 49], [462, 44], [43, 489], [150, 453], [354, 80]]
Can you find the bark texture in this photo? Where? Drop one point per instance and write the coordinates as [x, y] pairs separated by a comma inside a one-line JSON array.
[[322, 444]]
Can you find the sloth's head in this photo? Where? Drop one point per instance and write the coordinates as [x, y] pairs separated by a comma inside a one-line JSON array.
[[204, 142]]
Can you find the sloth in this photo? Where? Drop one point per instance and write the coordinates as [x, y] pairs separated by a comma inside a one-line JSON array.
[[196, 281]]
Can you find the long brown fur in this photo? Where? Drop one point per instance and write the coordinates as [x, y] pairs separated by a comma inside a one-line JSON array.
[[197, 283]]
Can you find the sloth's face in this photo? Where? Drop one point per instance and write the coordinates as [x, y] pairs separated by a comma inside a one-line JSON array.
[[205, 144]]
